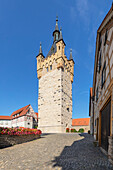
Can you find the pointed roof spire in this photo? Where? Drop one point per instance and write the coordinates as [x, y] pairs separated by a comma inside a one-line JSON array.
[[60, 38], [70, 58], [56, 26], [40, 50]]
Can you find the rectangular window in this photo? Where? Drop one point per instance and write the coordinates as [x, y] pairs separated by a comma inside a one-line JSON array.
[[50, 67], [103, 75], [97, 94], [106, 35], [47, 69], [100, 62]]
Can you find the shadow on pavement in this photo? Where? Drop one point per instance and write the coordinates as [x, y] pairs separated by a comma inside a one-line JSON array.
[[82, 154]]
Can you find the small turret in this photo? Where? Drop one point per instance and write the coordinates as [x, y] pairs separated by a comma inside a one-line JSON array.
[[71, 57], [40, 50], [40, 57]]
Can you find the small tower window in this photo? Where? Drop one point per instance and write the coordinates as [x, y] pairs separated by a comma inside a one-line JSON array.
[[59, 47], [47, 69], [50, 67], [56, 36], [68, 109]]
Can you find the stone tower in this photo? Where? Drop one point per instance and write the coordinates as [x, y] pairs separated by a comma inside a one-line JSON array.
[[55, 74]]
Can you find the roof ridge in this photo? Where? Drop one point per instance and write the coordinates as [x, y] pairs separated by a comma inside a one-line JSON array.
[[15, 112]]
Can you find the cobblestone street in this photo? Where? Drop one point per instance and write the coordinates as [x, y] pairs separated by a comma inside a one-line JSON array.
[[55, 151]]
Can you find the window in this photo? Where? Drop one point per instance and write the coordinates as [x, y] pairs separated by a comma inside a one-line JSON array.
[[97, 94], [106, 35], [47, 69], [59, 47], [103, 75], [68, 109], [100, 62], [62, 69], [6, 123], [100, 41], [56, 36], [50, 67], [28, 123]]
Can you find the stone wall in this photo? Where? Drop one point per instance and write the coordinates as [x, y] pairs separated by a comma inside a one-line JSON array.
[[110, 149], [55, 101], [8, 140]]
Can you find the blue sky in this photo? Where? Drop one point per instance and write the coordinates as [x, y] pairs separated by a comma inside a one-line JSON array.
[[23, 24]]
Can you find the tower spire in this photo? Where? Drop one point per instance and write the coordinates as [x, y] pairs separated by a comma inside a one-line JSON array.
[[56, 32], [70, 58], [56, 26], [40, 50]]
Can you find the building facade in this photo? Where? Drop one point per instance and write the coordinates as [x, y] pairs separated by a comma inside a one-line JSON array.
[[5, 121], [55, 74], [81, 123], [23, 117], [102, 91]]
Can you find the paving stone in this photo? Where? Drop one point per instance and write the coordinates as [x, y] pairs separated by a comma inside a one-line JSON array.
[[55, 151]]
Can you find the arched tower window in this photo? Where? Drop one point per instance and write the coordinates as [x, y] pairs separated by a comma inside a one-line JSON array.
[[50, 67]]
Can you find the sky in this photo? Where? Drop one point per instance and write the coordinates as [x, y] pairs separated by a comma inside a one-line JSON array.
[[23, 24]]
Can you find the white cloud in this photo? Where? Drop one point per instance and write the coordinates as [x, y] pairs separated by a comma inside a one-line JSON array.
[[80, 10]]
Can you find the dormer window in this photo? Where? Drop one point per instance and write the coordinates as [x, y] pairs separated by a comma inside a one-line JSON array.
[[50, 67]]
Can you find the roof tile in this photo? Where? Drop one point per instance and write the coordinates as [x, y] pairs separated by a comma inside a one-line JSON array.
[[80, 122]]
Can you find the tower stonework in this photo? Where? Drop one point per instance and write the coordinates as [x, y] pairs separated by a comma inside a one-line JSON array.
[[55, 73]]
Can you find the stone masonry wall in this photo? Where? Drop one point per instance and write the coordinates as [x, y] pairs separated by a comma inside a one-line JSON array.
[[7, 140], [49, 102], [66, 102], [54, 99], [110, 149]]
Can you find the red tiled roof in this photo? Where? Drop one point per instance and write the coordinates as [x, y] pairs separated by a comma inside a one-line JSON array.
[[5, 117], [80, 122], [36, 114], [22, 111]]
